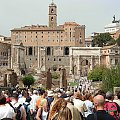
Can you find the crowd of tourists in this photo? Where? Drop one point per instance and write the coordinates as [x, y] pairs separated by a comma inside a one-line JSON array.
[[58, 104]]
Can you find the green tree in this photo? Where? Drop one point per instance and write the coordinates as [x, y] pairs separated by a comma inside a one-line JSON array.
[[96, 73], [103, 39], [118, 41], [28, 80], [110, 77]]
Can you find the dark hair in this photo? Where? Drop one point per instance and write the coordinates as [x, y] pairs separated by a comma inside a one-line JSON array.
[[2, 99], [109, 95], [42, 92], [101, 92], [87, 96], [28, 99], [24, 93], [15, 95]]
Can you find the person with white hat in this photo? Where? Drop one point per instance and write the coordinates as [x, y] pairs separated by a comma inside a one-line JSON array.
[[49, 98], [33, 102]]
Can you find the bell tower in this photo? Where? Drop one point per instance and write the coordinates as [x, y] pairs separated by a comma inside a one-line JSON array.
[[52, 15]]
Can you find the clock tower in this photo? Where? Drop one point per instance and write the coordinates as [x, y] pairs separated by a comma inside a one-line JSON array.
[[52, 15]]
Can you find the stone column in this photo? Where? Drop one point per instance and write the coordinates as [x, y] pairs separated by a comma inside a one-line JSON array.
[[8, 79], [78, 65], [38, 57], [17, 55], [61, 74], [5, 80], [64, 79], [9, 59], [70, 72], [91, 63], [49, 80], [12, 48]]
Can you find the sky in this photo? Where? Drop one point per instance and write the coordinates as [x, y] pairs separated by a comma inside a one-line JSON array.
[[94, 14]]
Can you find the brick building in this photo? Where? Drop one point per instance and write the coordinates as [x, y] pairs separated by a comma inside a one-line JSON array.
[[48, 46]]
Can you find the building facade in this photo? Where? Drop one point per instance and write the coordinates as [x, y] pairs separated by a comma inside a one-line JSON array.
[[83, 59], [110, 55], [5, 55], [48, 46]]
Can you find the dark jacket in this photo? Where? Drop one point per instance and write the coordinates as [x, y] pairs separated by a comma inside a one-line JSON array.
[[100, 115]]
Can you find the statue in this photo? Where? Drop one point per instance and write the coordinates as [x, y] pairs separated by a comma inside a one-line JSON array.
[[114, 20]]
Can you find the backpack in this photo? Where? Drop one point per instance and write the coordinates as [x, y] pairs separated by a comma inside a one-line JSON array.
[[111, 108], [17, 111], [27, 111]]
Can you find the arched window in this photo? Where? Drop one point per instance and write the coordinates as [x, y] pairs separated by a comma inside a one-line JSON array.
[[51, 18], [52, 10], [30, 51], [66, 51], [48, 51]]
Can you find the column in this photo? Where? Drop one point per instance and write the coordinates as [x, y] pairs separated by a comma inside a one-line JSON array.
[[8, 79], [38, 57], [78, 65], [11, 57], [17, 55], [91, 63], [9, 60], [70, 65]]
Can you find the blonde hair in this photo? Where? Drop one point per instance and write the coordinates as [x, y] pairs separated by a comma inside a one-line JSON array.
[[43, 102]]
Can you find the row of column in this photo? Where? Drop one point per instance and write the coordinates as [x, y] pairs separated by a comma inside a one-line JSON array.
[[79, 64]]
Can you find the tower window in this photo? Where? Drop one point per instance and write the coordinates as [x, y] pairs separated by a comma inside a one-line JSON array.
[[52, 11], [30, 51], [51, 18]]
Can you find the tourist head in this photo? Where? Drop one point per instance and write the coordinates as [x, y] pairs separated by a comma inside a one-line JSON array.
[[78, 95], [24, 93], [15, 96], [28, 99], [60, 103], [44, 103], [2, 99], [100, 92], [109, 95], [88, 96], [35, 92], [50, 93], [42, 92], [99, 101]]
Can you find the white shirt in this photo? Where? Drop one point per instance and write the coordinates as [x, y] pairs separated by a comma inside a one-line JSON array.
[[6, 111], [22, 109], [89, 106], [80, 105], [33, 101], [21, 100], [44, 115]]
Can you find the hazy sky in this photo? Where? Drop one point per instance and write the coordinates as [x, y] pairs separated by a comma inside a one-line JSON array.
[[94, 14]]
